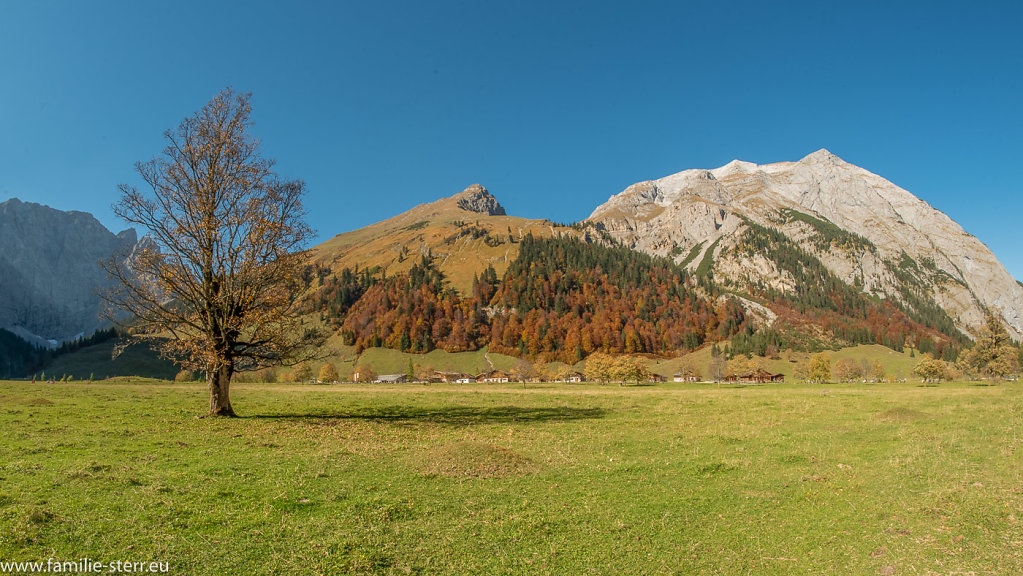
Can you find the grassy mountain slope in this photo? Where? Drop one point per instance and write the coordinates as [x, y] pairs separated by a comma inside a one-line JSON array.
[[98, 361], [462, 242]]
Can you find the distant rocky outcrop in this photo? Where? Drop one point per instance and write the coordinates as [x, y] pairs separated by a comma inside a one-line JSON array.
[[867, 231], [477, 199], [50, 277]]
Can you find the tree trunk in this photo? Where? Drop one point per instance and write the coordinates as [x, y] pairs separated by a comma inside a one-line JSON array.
[[219, 381]]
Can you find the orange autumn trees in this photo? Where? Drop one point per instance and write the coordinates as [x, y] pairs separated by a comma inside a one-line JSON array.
[[413, 312], [560, 299], [563, 299]]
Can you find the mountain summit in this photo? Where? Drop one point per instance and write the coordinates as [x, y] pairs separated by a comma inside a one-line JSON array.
[[867, 231], [467, 233], [49, 270], [820, 157], [477, 199]]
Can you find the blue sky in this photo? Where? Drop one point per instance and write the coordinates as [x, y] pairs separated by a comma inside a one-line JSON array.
[[554, 107]]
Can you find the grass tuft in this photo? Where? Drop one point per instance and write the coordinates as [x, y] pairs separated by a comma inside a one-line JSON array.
[[903, 414], [474, 460]]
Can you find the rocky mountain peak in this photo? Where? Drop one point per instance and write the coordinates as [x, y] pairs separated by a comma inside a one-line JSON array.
[[49, 269], [734, 167], [867, 231], [822, 156], [130, 236], [477, 199]]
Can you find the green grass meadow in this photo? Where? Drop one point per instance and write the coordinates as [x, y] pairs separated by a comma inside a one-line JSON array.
[[497, 479]]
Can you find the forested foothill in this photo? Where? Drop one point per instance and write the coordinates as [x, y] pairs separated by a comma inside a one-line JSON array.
[[563, 299]]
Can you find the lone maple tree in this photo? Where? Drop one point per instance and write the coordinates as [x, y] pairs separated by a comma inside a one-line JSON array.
[[214, 286], [993, 355]]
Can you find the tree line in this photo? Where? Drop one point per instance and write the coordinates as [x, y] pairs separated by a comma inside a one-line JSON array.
[[560, 299], [565, 299], [822, 299]]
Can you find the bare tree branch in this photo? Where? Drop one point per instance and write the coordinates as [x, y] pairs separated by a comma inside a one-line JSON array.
[[215, 281]]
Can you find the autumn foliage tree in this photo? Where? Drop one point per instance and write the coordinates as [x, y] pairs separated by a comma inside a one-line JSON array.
[[737, 367], [848, 369], [214, 286], [992, 354], [933, 370], [818, 368], [328, 373], [364, 374], [601, 367], [302, 373], [877, 371]]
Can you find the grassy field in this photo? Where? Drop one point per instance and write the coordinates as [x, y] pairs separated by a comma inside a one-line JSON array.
[[494, 479]]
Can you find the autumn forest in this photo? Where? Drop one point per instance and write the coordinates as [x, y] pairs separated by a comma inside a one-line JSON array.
[[564, 299]]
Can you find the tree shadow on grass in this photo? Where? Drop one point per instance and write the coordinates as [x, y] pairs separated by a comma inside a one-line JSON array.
[[453, 415]]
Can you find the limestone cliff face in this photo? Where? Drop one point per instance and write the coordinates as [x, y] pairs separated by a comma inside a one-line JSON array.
[[866, 230], [49, 269], [477, 199]]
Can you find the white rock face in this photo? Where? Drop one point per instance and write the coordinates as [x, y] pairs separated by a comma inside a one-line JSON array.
[[677, 212]]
